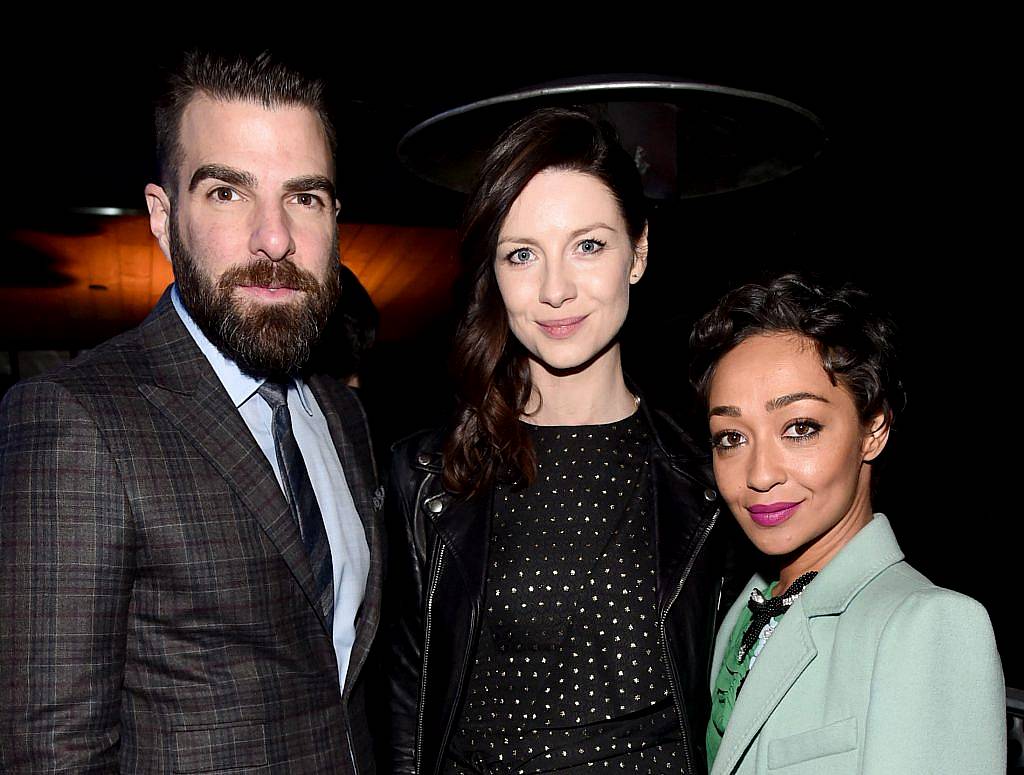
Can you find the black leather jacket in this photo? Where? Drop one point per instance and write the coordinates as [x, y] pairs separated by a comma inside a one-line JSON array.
[[438, 569]]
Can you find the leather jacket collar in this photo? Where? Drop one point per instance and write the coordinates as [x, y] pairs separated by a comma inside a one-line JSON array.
[[679, 469]]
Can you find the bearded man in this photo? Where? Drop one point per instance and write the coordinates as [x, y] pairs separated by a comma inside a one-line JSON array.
[[190, 567]]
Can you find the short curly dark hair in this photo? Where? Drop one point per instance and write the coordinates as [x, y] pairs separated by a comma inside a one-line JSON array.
[[855, 338]]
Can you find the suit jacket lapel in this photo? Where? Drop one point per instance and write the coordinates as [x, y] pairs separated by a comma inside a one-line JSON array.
[[186, 390], [347, 424], [790, 650]]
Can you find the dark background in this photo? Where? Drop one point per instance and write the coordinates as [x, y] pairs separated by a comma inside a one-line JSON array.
[[908, 201]]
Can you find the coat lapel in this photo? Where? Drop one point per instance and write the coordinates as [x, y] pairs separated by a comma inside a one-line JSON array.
[[790, 650], [347, 424], [186, 390], [465, 527], [679, 531]]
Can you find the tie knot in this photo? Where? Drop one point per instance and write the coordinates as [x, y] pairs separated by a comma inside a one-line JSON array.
[[274, 393]]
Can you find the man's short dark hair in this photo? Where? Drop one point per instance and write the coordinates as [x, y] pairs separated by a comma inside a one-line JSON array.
[[261, 79]]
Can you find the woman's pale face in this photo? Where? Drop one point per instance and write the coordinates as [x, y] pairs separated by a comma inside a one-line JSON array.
[[790, 450], [564, 265]]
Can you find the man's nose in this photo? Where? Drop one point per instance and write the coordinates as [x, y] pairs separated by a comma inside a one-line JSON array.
[[271, 235], [558, 284]]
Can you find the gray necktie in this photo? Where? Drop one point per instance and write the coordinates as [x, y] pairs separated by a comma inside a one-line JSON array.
[[299, 492]]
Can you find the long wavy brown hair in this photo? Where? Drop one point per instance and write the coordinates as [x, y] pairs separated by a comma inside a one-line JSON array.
[[492, 376]]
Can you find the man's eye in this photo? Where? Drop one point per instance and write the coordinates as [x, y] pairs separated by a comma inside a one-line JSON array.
[[309, 200], [225, 194]]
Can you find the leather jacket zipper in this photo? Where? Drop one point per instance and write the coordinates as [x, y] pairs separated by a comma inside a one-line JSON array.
[[672, 679], [434, 577], [463, 677]]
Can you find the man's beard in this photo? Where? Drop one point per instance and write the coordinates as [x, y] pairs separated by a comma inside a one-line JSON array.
[[265, 340]]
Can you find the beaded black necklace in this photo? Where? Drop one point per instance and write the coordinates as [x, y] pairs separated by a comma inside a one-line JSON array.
[[763, 609]]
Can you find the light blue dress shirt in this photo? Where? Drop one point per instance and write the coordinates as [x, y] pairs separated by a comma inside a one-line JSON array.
[[350, 554]]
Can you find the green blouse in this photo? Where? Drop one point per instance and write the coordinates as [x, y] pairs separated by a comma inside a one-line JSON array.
[[730, 678]]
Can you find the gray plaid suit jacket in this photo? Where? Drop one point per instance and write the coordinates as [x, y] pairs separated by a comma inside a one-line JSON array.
[[156, 607]]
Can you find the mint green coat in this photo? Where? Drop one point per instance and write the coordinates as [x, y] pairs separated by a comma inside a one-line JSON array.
[[873, 670]]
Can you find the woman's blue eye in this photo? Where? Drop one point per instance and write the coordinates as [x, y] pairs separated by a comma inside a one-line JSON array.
[[520, 256], [591, 246]]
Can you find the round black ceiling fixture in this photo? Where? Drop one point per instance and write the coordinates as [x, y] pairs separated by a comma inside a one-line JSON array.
[[688, 139]]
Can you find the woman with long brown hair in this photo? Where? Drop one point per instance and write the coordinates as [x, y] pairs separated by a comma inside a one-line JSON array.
[[555, 567]]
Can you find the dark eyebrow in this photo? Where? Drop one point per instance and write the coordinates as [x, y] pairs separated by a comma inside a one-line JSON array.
[[310, 183], [792, 398], [591, 227], [518, 241], [229, 175], [576, 233], [724, 411], [770, 406]]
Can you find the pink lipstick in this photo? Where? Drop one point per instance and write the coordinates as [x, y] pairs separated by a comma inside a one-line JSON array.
[[560, 329], [768, 514]]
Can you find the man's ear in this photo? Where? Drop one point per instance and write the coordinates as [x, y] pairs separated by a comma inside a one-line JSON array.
[[639, 265], [876, 437], [159, 205]]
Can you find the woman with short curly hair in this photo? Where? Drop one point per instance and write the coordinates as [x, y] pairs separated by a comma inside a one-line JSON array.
[[844, 658]]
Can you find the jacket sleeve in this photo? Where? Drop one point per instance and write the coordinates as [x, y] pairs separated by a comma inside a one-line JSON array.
[[405, 597], [938, 701], [66, 568]]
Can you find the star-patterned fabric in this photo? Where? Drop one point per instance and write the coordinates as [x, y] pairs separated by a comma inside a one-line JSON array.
[[568, 674]]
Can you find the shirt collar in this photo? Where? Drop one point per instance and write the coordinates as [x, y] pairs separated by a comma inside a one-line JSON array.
[[239, 385]]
